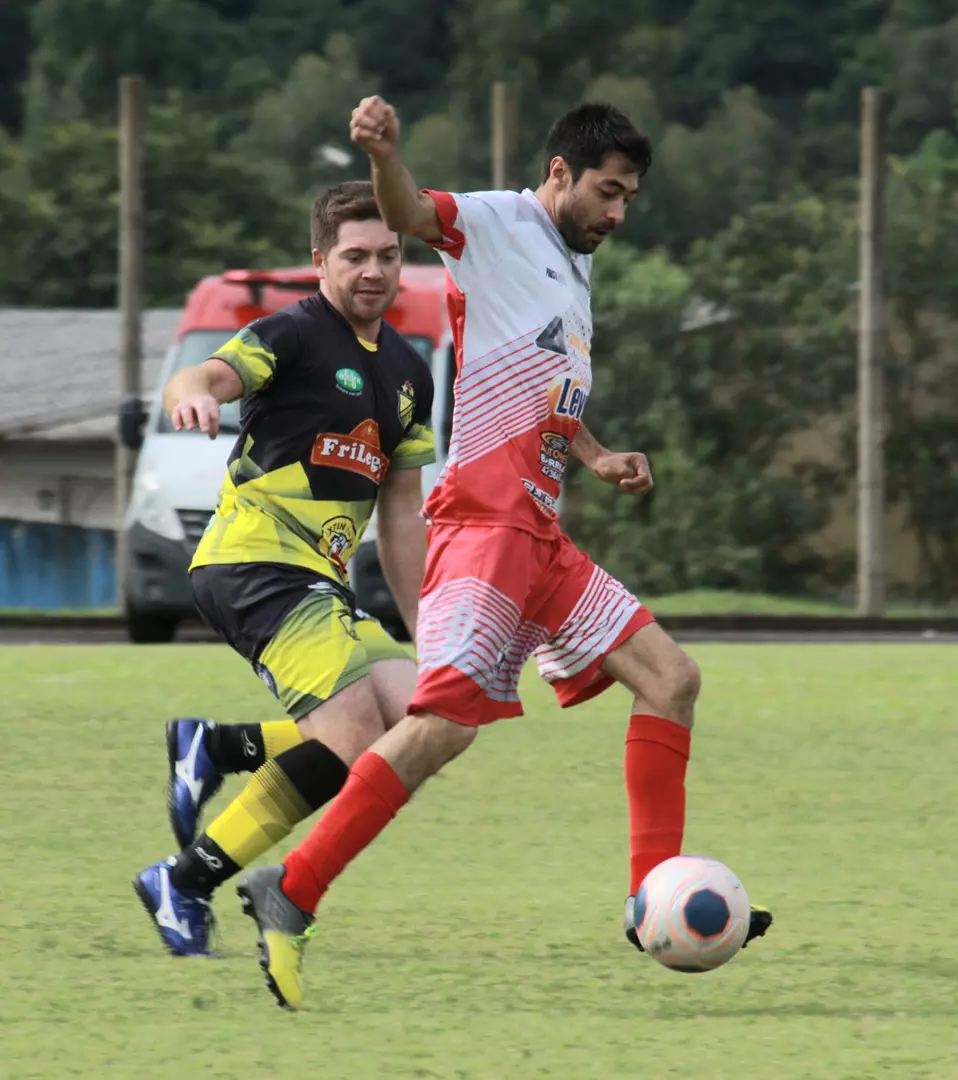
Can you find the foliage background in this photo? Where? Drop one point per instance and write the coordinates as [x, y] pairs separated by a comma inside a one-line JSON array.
[[725, 313]]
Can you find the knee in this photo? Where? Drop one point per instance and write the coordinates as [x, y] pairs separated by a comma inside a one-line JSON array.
[[443, 736], [681, 682], [346, 733]]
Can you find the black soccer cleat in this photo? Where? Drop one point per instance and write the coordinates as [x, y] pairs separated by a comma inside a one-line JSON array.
[[758, 924], [760, 921]]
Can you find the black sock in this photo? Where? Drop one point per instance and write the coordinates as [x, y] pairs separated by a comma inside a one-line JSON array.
[[202, 866], [279, 795], [236, 748]]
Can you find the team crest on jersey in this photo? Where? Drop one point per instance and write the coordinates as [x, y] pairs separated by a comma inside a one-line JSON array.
[[407, 403], [553, 455], [338, 536], [360, 451]]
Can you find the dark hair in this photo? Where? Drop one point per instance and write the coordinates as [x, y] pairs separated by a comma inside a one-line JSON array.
[[352, 201], [586, 135]]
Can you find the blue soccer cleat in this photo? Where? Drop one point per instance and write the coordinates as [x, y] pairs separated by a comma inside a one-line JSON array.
[[185, 922], [194, 779]]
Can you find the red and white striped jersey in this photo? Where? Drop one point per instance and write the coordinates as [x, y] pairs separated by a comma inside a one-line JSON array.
[[519, 304]]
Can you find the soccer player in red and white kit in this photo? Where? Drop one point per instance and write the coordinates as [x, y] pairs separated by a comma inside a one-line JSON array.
[[502, 582]]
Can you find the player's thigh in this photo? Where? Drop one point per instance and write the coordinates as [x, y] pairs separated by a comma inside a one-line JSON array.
[[588, 615], [318, 667], [392, 669], [348, 723], [299, 633], [656, 669], [471, 639]]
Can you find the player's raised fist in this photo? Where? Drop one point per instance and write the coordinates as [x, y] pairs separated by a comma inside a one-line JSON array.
[[374, 126]]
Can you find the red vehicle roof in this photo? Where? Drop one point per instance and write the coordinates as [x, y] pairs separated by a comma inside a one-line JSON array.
[[230, 300]]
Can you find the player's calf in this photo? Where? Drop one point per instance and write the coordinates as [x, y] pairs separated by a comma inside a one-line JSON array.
[[379, 785], [665, 682], [421, 744]]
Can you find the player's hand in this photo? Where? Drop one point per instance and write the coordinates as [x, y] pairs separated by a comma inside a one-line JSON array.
[[374, 127], [629, 472], [199, 411]]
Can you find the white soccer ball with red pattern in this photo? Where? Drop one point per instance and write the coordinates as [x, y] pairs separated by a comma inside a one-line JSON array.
[[691, 913]]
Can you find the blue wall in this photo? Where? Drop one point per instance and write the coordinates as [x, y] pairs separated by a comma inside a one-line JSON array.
[[56, 567]]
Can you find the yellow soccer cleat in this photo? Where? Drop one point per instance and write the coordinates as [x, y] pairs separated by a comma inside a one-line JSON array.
[[284, 930]]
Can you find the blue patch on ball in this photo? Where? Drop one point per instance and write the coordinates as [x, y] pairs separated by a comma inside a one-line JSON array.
[[706, 913], [638, 907]]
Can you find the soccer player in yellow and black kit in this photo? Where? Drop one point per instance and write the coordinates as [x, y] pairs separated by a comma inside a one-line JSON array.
[[336, 418]]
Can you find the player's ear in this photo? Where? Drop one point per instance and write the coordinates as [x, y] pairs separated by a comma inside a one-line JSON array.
[[559, 173], [319, 263]]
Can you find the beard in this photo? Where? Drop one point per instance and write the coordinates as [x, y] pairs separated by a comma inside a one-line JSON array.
[[367, 308], [578, 237]]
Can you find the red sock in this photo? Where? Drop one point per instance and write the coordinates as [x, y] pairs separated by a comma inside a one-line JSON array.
[[656, 756], [371, 797]]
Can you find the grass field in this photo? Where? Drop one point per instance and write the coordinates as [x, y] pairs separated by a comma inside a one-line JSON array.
[[480, 939], [693, 602]]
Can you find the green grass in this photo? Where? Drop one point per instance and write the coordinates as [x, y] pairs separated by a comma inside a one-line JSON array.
[[479, 939], [694, 602], [728, 602]]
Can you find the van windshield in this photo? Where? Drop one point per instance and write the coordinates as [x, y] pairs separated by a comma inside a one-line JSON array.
[[199, 345]]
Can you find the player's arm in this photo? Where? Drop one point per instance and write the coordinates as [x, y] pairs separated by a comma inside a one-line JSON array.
[[245, 364], [401, 538], [629, 472], [401, 530], [405, 209], [192, 398], [470, 231]]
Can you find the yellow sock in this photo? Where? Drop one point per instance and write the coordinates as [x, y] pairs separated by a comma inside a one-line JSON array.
[[279, 735], [263, 813], [277, 797]]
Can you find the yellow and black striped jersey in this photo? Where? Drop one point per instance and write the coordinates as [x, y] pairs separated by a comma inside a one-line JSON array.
[[324, 417]]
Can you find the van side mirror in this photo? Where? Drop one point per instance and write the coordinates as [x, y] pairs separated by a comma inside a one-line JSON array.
[[133, 417]]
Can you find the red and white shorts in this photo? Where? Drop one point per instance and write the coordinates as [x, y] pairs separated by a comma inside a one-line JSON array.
[[494, 596]]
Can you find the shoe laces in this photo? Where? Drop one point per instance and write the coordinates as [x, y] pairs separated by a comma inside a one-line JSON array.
[[300, 940]]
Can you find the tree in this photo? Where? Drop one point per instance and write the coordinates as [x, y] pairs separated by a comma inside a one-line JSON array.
[[206, 209], [922, 357], [14, 51], [713, 371], [84, 46], [701, 179], [300, 132]]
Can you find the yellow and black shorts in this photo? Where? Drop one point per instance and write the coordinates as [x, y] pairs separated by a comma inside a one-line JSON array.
[[301, 632]]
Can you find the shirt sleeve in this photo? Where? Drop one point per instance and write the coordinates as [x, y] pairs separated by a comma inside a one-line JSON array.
[[476, 231], [260, 350], [418, 446]]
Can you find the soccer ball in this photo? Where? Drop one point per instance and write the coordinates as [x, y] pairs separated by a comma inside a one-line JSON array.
[[691, 913]]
